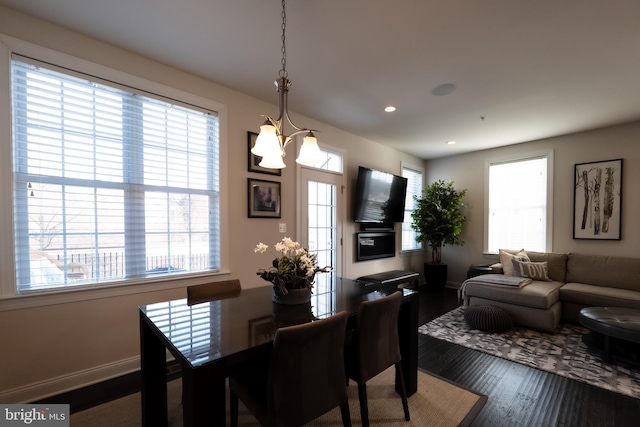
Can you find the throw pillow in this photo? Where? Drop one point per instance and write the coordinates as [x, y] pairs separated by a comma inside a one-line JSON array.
[[532, 270], [506, 259]]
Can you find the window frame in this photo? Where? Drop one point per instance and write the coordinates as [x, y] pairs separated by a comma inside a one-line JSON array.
[[421, 171], [9, 298], [327, 151], [546, 154]]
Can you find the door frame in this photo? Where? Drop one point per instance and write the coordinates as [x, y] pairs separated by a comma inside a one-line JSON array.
[[341, 206]]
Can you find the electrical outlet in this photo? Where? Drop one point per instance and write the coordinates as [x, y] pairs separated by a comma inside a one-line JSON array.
[[282, 227]]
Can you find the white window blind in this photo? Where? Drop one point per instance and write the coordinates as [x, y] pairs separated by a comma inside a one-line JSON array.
[[517, 204], [109, 184], [414, 188]]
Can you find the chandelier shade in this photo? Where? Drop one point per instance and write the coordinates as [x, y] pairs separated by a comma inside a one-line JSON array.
[[272, 141], [266, 141], [272, 160], [310, 153]]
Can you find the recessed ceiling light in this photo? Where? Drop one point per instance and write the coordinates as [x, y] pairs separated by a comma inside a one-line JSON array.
[[390, 109], [450, 142]]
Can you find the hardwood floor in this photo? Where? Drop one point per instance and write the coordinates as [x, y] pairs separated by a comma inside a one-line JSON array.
[[518, 395]]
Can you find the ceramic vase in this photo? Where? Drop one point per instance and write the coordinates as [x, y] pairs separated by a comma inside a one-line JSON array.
[[293, 297]]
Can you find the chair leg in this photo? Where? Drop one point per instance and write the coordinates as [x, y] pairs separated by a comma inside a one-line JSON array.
[[233, 408], [364, 410], [403, 394], [346, 415]]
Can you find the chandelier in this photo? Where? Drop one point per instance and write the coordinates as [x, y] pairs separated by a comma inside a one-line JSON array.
[[272, 141]]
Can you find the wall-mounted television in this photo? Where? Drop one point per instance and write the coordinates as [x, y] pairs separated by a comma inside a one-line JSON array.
[[379, 197]]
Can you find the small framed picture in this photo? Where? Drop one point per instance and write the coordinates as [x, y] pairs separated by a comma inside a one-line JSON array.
[[261, 330], [264, 198], [254, 161], [597, 200]]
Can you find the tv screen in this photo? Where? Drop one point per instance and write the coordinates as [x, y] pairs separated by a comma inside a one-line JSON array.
[[379, 196]]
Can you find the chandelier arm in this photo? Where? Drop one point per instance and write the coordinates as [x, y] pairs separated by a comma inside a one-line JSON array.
[[298, 129], [301, 131], [274, 123], [283, 91]]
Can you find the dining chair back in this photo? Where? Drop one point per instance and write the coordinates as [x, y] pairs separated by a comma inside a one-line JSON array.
[[213, 291], [304, 379], [375, 347]]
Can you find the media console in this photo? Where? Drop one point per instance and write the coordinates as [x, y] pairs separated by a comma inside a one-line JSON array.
[[392, 278]]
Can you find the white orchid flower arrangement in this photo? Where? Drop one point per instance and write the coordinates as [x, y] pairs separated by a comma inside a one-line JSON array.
[[294, 267]]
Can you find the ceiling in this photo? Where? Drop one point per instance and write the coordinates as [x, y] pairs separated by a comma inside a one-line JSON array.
[[523, 70]]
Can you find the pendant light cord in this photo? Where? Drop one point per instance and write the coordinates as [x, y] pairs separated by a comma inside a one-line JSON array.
[[283, 71]]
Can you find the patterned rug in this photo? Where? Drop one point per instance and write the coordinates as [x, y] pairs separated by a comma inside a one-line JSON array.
[[562, 353]]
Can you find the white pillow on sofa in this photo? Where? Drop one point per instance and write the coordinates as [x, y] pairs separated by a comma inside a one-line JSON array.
[[531, 270], [506, 259]]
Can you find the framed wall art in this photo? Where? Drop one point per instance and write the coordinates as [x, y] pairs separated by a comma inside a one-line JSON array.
[[264, 199], [597, 200], [261, 330], [254, 161]]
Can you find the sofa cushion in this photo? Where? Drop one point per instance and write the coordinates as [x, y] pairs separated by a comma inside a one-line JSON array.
[[506, 258], [611, 271], [595, 295], [532, 270], [536, 294], [556, 263]]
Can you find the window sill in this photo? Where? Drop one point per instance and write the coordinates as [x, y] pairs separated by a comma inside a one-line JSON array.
[[86, 293], [408, 252]]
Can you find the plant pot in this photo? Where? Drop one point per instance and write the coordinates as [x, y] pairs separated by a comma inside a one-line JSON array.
[[435, 276], [293, 297], [289, 315]]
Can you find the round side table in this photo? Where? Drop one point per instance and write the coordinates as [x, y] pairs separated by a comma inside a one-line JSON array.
[[478, 270]]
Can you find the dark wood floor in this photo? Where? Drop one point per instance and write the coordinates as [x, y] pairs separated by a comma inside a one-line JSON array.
[[518, 395]]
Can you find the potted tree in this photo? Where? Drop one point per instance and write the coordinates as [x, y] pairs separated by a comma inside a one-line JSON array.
[[438, 219]]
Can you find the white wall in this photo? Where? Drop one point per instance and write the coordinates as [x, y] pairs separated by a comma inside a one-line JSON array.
[[467, 172], [51, 348]]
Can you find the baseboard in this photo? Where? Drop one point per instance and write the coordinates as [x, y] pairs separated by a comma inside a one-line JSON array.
[[453, 285], [43, 389]]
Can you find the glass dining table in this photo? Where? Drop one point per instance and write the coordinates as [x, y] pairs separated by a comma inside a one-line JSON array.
[[213, 340]]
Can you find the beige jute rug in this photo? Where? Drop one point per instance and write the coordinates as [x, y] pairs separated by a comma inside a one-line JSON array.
[[438, 402]]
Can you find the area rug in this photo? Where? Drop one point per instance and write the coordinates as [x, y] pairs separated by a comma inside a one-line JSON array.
[[562, 353], [431, 405]]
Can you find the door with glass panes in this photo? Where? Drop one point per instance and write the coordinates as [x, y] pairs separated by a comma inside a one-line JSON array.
[[321, 204]]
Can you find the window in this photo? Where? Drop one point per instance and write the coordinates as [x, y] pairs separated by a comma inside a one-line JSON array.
[[110, 184], [519, 203], [332, 161], [414, 188]]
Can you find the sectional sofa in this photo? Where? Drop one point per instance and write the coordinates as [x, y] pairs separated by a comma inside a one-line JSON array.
[[572, 281]]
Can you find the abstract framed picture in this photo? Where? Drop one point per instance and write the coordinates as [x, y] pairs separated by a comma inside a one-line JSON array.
[[597, 200], [264, 199], [254, 161]]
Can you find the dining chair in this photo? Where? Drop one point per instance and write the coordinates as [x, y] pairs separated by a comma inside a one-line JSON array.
[[213, 291], [303, 378], [374, 347]]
